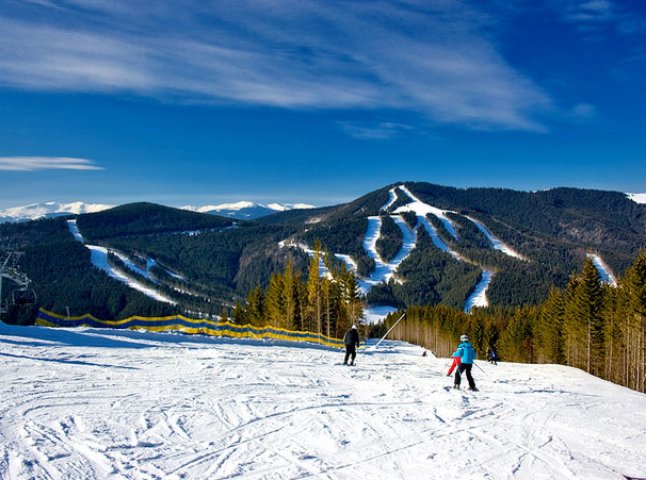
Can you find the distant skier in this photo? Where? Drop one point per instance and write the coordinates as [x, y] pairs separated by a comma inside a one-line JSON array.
[[456, 362], [467, 355], [492, 356], [351, 342]]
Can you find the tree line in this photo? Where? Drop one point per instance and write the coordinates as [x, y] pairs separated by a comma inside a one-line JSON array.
[[588, 325], [308, 301]]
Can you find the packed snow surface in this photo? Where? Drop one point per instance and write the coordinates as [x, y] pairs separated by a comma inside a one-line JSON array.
[[102, 404]]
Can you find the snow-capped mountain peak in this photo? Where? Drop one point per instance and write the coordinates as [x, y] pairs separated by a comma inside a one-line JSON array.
[[35, 211], [246, 210]]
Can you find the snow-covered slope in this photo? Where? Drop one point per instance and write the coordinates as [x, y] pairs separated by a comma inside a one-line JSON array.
[[637, 197], [99, 258], [245, 210], [49, 209], [100, 404]]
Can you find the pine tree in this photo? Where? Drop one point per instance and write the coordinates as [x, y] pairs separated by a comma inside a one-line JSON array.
[[288, 296], [549, 328], [239, 314], [274, 300], [256, 307], [314, 304], [634, 330], [589, 305]]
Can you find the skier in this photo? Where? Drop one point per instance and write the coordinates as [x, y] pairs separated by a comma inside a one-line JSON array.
[[456, 362], [467, 355], [492, 356], [351, 341]]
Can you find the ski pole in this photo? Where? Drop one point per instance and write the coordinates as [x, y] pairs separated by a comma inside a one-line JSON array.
[[384, 337], [474, 362]]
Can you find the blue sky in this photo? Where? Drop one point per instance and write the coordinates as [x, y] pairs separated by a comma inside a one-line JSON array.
[[203, 101]]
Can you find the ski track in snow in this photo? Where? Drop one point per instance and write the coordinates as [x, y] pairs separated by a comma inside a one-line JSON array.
[[604, 272], [99, 258], [97, 404], [496, 244], [384, 271], [422, 209], [391, 199], [478, 297]]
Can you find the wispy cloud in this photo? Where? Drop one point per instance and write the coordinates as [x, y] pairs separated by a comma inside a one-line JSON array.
[[435, 58], [29, 164], [373, 130]]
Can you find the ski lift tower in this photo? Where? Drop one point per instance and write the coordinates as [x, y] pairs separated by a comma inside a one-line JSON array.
[[3, 310], [10, 272]]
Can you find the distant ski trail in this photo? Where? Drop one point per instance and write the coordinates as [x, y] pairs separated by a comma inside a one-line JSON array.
[[478, 297], [384, 271], [437, 241], [99, 258], [496, 243], [603, 269], [422, 209], [391, 199]]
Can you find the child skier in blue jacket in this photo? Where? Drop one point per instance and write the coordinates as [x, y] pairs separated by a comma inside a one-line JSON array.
[[467, 355]]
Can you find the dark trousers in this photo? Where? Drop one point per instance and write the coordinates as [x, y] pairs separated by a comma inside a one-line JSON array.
[[465, 367], [350, 350]]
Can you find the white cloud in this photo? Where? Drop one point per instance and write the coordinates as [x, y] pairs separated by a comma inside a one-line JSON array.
[[28, 164], [434, 58], [372, 130]]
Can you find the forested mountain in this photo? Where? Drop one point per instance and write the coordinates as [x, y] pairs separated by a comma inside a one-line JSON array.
[[431, 243]]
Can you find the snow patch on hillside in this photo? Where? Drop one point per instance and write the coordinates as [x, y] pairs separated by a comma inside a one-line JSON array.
[[435, 238], [478, 297], [384, 271], [392, 198], [422, 209], [604, 271], [97, 404], [99, 258], [637, 197], [496, 243]]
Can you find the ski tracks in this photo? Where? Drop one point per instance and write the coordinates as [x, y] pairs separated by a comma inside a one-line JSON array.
[[212, 410]]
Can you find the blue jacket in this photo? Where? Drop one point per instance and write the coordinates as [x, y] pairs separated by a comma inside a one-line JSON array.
[[466, 352]]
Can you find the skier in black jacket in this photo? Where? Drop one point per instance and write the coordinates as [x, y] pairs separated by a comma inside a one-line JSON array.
[[351, 341]]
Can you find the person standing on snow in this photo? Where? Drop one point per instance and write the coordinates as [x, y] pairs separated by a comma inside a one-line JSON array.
[[492, 356], [351, 342], [467, 355]]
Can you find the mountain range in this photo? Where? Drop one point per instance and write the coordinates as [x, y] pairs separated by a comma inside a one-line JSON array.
[[243, 210], [408, 243]]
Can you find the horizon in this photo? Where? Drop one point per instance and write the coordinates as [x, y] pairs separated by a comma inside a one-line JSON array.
[[233, 204], [290, 102]]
